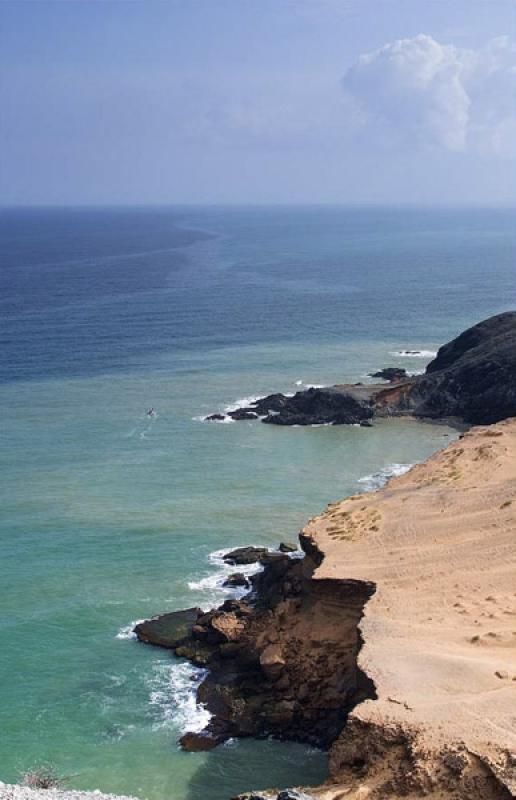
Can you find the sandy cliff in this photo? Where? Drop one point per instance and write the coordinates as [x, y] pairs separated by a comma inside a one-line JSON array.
[[440, 630]]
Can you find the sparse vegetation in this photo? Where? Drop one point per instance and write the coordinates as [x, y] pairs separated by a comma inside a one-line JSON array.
[[43, 777]]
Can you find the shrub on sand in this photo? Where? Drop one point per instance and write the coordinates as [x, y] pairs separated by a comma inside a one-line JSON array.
[[43, 777]]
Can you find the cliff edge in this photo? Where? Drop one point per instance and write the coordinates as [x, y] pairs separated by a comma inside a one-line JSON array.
[[439, 632]]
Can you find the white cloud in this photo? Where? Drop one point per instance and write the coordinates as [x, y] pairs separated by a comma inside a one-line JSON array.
[[418, 91]]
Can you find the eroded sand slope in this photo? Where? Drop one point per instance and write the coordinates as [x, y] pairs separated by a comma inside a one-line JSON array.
[[440, 631]]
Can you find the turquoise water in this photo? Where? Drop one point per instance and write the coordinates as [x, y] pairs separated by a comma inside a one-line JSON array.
[[109, 516]]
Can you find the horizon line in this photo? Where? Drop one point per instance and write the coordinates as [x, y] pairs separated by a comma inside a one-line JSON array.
[[248, 205]]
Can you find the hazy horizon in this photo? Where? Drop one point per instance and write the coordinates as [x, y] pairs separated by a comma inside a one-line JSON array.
[[300, 102]]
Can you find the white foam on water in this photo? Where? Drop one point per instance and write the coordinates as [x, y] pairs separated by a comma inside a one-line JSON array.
[[414, 353], [204, 418], [127, 632], [378, 479], [211, 586], [231, 743], [173, 696], [242, 402], [173, 684]]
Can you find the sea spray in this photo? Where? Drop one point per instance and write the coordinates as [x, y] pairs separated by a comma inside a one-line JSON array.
[[173, 688], [376, 480]]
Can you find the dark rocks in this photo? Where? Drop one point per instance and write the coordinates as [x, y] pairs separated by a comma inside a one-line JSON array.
[[242, 413], [286, 794], [273, 402], [276, 565], [198, 742], [167, 630], [287, 547], [473, 377], [272, 661], [331, 406], [245, 555], [215, 418], [236, 580], [492, 334], [390, 374]]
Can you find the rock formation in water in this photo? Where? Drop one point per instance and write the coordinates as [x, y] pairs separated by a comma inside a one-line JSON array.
[[282, 661], [472, 380], [390, 374]]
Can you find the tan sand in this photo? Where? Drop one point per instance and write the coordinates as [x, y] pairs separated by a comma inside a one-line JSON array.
[[440, 632]]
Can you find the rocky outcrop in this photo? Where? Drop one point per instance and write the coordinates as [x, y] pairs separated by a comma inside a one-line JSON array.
[[236, 580], [167, 630], [245, 555], [329, 406], [282, 661], [286, 794], [472, 380], [390, 374], [473, 377], [393, 761], [309, 407]]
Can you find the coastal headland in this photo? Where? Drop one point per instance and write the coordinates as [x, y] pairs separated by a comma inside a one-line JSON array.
[[392, 643], [472, 380]]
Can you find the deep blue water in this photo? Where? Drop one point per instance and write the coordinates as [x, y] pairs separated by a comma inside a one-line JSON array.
[[85, 292], [108, 516]]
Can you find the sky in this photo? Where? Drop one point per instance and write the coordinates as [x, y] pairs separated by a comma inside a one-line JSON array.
[[257, 101]]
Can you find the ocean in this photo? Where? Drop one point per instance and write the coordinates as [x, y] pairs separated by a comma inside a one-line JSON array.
[[109, 516]]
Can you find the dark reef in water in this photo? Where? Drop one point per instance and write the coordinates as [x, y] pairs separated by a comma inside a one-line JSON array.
[[472, 380]]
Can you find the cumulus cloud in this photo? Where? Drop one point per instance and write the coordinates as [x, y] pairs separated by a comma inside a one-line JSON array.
[[423, 92]]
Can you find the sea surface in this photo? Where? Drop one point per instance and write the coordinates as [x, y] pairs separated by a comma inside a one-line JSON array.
[[109, 516]]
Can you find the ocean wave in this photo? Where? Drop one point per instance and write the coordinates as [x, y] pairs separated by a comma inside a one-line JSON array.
[[413, 353], [242, 402], [309, 386], [211, 585], [173, 696], [127, 631], [225, 421], [378, 479]]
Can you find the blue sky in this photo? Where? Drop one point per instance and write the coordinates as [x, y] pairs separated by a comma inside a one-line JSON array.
[[258, 101]]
